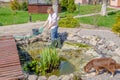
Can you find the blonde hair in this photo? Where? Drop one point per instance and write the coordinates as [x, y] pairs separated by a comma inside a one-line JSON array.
[[50, 9]]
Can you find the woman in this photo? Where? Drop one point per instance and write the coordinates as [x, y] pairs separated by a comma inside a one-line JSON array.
[[52, 23]]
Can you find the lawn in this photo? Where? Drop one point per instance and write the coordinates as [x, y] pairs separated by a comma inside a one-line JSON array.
[[84, 9], [106, 21], [7, 17]]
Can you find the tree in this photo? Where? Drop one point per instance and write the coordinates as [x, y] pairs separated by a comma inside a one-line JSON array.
[[104, 8], [55, 5]]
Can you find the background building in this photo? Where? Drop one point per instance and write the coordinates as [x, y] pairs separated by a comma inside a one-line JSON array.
[[81, 1], [115, 3]]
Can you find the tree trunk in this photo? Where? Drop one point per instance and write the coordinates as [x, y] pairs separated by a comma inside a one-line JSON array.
[[104, 8], [55, 5]]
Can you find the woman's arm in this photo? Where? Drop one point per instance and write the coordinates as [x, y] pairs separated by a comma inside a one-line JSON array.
[[46, 23]]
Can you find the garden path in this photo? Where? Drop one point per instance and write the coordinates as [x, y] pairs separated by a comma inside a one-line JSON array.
[[23, 29], [93, 14]]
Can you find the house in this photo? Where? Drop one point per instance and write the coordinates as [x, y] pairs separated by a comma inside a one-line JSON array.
[[88, 1], [4, 0], [39, 6], [81, 1], [115, 3], [11, 0]]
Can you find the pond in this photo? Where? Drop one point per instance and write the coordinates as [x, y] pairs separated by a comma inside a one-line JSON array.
[[65, 68], [72, 57]]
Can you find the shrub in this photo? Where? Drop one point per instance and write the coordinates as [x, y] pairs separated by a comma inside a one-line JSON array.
[[116, 26], [68, 5], [24, 6], [32, 67], [15, 5], [71, 6], [64, 4], [69, 22]]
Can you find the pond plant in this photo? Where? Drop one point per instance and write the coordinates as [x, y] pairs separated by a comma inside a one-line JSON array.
[[48, 61]]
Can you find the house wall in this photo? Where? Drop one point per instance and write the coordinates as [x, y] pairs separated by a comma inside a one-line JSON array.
[[11, 0], [115, 3], [81, 1], [39, 8], [119, 3]]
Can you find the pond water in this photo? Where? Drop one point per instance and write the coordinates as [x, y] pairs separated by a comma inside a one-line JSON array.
[[66, 68]]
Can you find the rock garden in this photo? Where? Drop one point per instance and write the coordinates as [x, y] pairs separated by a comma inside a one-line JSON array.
[[41, 62]]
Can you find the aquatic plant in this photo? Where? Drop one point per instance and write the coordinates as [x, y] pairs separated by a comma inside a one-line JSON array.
[[49, 60]]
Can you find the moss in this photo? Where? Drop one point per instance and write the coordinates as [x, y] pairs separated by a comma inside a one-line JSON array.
[[80, 45]]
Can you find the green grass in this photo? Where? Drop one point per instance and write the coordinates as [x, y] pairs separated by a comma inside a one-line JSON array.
[[7, 17], [84, 9], [106, 21]]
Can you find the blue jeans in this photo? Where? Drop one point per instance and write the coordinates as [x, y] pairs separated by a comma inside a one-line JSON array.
[[54, 33]]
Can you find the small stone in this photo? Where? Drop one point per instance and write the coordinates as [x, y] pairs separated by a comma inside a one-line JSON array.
[[104, 51], [111, 43], [113, 48], [117, 51], [61, 77], [116, 58], [110, 52], [79, 41], [42, 78], [72, 76], [66, 77], [32, 77], [53, 77], [75, 38], [101, 47]]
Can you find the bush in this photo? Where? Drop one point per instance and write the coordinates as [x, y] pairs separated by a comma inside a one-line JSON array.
[[64, 4], [32, 67], [69, 22], [24, 6], [68, 5], [15, 5], [116, 26], [71, 6]]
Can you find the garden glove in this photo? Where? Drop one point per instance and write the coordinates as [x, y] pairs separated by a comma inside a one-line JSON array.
[[40, 30]]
